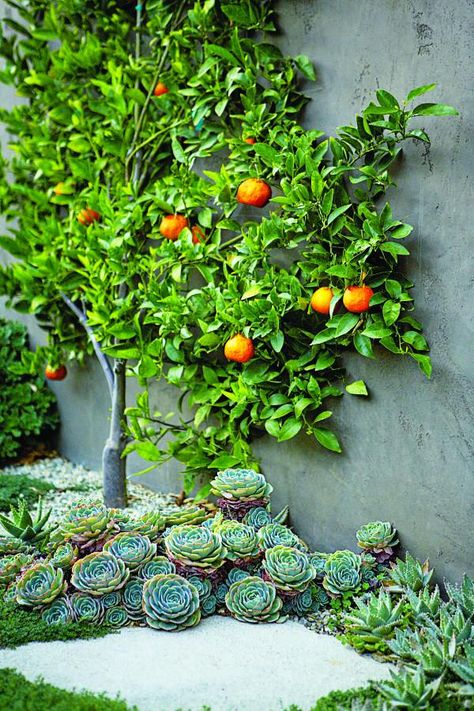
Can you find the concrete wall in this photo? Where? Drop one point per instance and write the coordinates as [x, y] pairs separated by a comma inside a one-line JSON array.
[[408, 448]]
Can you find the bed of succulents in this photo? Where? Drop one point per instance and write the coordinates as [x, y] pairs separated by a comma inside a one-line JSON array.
[[170, 567]]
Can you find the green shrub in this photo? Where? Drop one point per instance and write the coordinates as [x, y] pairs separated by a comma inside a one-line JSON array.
[[26, 405], [14, 487]]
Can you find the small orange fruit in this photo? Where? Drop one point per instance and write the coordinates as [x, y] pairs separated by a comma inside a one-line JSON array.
[[172, 226], [198, 234], [357, 298], [160, 89], [55, 373], [321, 299], [254, 191], [239, 348], [250, 139], [87, 216]]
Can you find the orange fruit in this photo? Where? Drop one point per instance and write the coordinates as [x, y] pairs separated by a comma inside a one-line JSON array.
[[55, 373], [239, 348], [321, 299], [87, 216], [160, 89], [357, 298], [198, 234], [250, 140], [172, 226], [254, 191]]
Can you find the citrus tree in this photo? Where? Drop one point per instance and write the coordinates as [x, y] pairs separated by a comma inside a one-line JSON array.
[[143, 132]]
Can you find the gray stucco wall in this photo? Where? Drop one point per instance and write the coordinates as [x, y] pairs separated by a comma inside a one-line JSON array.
[[408, 449]]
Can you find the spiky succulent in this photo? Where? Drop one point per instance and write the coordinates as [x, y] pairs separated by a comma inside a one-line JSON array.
[[241, 485], [253, 600], [58, 613], [195, 546], [410, 574], [373, 622], [170, 602], [99, 573], [12, 565], [133, 548], [424, 603], [116, 617], [288, 568], [378, 538], [342, 572], [409, 690], [86, 608], [257, 517], [462, 595], [159, 565], [180, 515], [149, 524], [111, 599], [240, 541], [87, 524], [463, 669], [22, 525], [132, 599], [40, 585], [64, 556], [10, 545], [276, 534]]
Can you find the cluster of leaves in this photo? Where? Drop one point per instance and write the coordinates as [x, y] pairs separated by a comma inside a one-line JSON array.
[[92, 123], [27, 407]]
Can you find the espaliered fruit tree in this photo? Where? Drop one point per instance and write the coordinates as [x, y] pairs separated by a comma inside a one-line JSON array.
[[128, 246]]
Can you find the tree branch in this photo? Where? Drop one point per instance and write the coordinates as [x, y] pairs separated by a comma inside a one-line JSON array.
[[101, 357]]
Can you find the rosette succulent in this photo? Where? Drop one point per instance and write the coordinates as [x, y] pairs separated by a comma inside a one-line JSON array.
[[236, 574], [207, 599], [318, 561], [342, 572], [240, 541], [87, 524], [99, 573], [288, 568], [112, 599], [58, 613], [195, 546], [160, 565], [253, 600], [310, 601], [180, 515], [133, 548], [64, 556], [9, 545], [12, 565], [132, 599], [150, 524], [40, 585], [241, 485], [86, 608], [116, 617], [378, 538], [276, 534], [171, 602], [257, 517]]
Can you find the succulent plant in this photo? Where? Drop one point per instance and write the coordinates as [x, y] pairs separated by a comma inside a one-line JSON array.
[[159, 565], [87, 524], [10, 545], [241, 485], [342, 572], [64, 556], [410, 575], [10, 593], [221, 591], [40, 585], [424, 603], [308, 602], [180, 515], [373, 621], [318, 561], [288, 568], [12, 565], [195, 546], [409, 690], [253, 600], [207, 599], [276, 534], [240, 540], [116, 617], [257, 517], [111, 599], [378, 538], [133, 548], [132, 599], [236, 574], [99, 573], [170, 602], [150, 524], [463, 669], [462, 595], [58, 613], [28, 529], [86, 608]]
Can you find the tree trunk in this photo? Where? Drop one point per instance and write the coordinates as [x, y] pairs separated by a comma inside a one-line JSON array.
[[113, 464]]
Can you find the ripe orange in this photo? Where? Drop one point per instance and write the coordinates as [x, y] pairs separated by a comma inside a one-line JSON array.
[[321, 299], [198, 234], [357, 298], [55, 373], [254, 191], [239, 348], [160, 89], [87, 216], [250, 140], [172, 226]]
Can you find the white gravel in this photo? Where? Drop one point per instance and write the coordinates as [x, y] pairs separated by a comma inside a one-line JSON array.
[[221, 663]]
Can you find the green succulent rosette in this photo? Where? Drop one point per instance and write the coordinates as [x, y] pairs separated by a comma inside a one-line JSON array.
[[288, 568], [159, 565], [10, 546], [150, 524], [58, 613], [180, 515], [310, 601], [111, 599], [171, 603], [12, 565], [257, 517], [240, 540], [85, 522], [221, 591], [277, 534], [116, 617], [133, 548], [207, 599], [64, 556], [40, 585], [132, 599], [377, 538], [10, 593], [236, 574], [99, 573], [195, 546], [318, 561], [86, 608], [342, 572], [253, 600], [241, 485]]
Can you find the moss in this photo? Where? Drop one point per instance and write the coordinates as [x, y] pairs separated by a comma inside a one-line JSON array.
[[16, 486]]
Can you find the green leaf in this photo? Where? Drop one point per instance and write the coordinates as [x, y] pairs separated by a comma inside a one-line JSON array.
[[415, 339], [338, 211], [363, 345], [343, 324], [223, 461], [305, 66], [327, 439], [277, 341], [391, 311], [435, 110], [394, 249], [289, 429], [376, 331], [424, 362], [419, 91], [148, 451], [358, 387], [269, 155], [178, 152]]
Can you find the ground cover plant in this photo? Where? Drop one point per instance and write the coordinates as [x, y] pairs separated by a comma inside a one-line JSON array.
[[14, 487], [128, 247]]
